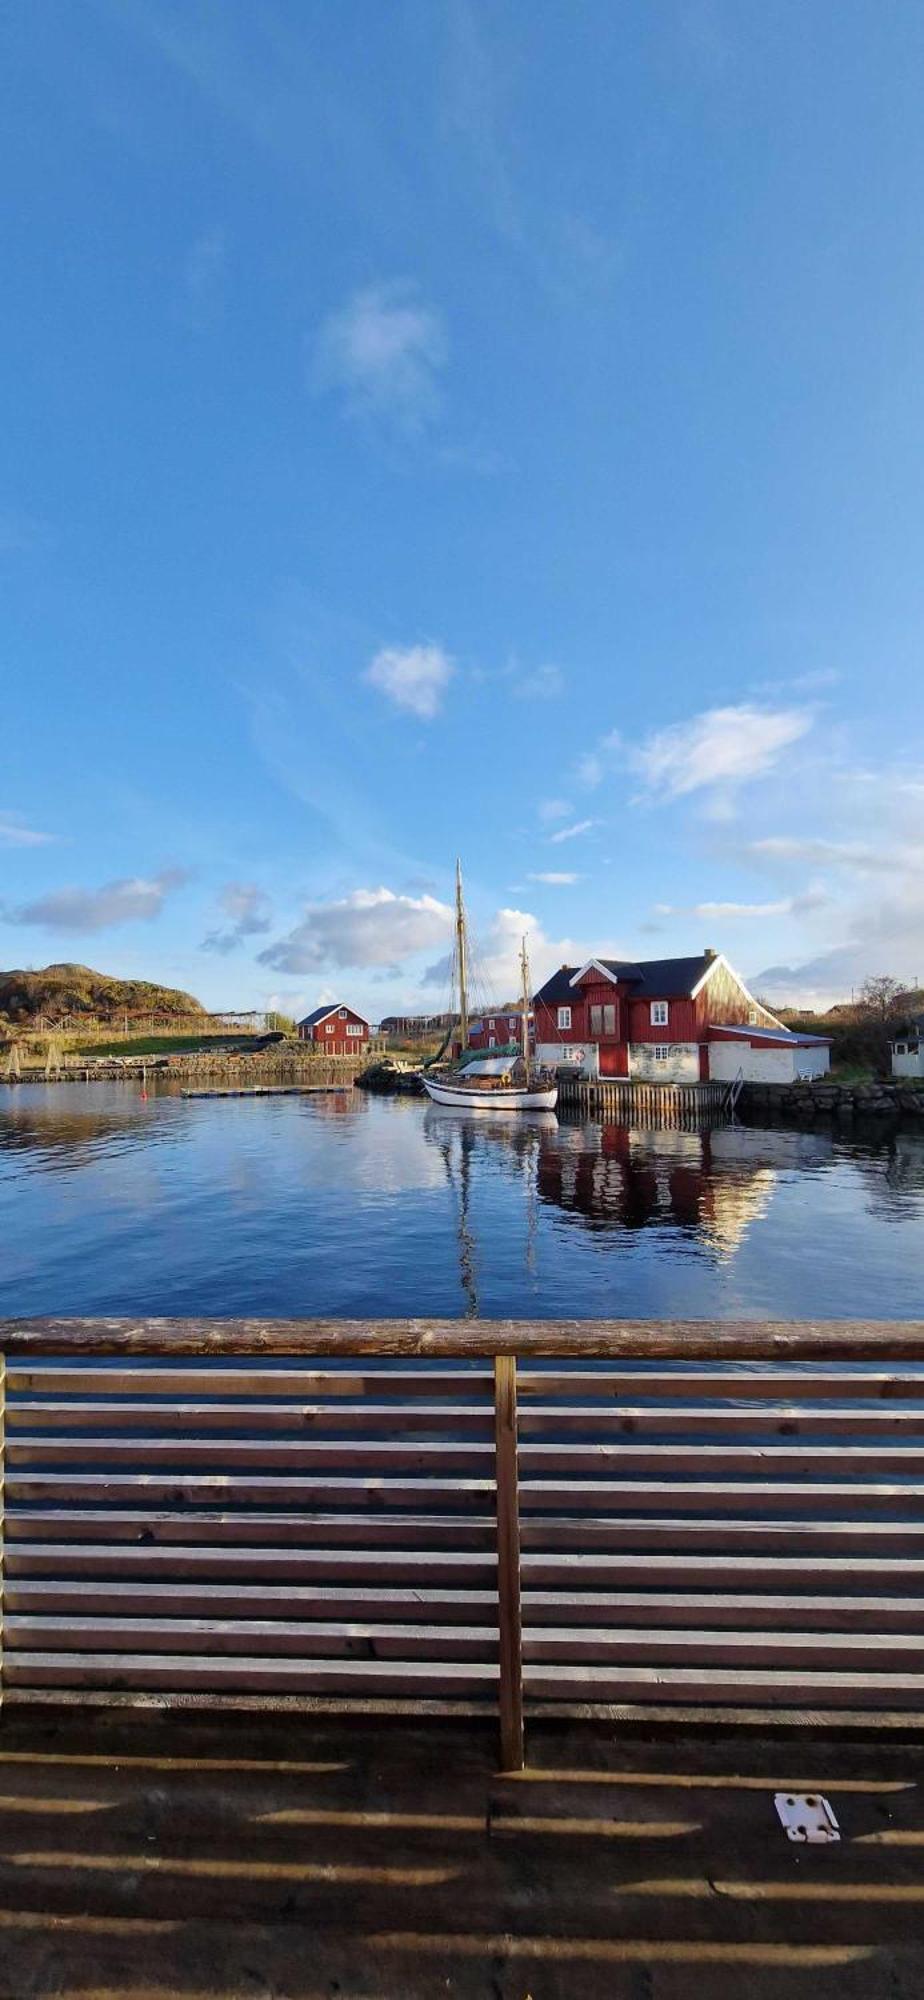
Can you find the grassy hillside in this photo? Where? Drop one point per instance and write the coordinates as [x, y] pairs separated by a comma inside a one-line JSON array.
[[58, 990]]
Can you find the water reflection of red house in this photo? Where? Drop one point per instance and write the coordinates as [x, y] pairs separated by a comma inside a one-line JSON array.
[[615, 1178]]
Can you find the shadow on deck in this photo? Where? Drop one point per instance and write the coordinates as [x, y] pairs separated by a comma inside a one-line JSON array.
[[149, 1856]]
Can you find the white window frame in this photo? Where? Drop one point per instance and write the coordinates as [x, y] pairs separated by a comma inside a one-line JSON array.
[[752, 1018], [661, 1051], [564, 1017], [660, 1013], [492, 1041], [492, 1024], [329, 1027], [341, 1013], [354, 1028]]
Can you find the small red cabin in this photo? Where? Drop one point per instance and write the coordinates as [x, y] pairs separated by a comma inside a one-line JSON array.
[[335, 1031]]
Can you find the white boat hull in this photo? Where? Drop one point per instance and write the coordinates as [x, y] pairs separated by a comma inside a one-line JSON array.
[[457, 1096]]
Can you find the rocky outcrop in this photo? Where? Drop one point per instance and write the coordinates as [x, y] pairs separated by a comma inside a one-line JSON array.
[[804, 1103]]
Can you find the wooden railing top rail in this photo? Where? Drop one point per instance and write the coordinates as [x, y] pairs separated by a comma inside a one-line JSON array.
[[574, 1339]]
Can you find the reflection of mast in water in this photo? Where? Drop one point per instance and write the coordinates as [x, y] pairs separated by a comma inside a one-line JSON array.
[[445, 1134]]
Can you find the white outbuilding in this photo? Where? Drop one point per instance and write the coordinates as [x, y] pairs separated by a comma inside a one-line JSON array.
[[766, 1055], [908, 1050]]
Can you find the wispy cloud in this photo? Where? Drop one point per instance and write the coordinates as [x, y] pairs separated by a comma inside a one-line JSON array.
[[719, 750], [366, 928], [132, 899], [413, 677], [572, 832], [784, 906], [552, 809], [592, 767], [858, 857], [555, 878], [383, 352], [249, 913], [14, 832]]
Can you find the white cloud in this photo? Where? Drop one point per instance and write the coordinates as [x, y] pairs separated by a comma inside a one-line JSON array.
[[384, 351], [15, 833], [859, 857], [717, 750], [571, 832], [591, 769], [249, 912], [552, 809], [130, 900], [413, 677], [498, 957], [555, 878], [785, 906], [366, 928]]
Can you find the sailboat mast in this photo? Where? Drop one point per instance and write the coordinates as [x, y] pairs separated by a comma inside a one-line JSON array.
[[524, 974], [460, 958]]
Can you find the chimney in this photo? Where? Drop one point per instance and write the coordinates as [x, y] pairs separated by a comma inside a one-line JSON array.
[[709, 953]]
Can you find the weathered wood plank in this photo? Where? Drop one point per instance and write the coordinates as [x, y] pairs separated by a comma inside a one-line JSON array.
[[306, 1531], [732, 1687], [213, 1489], [271, 1420], [903, 1423], [266, 1638], [309, 1454], [120, 1671], [510, 1692], [699, 1610], [67, 1562], [761, 1381], [149, 1597], [706, 1460], [833, 1651], [729, 1496], [461, 1379], [650, 1534], [679, 1340]]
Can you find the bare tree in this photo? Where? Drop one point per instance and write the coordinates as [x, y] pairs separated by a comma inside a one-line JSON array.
[[880, 996]]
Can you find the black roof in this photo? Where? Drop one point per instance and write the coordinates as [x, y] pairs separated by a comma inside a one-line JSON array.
[[662, 978], [558, 987], [319, 1014]]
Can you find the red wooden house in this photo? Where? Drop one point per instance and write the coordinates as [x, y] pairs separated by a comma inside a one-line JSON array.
[[661, 1019], [335, 1031]]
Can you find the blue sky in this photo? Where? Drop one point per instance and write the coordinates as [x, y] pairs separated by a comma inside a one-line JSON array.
[[492, 428]]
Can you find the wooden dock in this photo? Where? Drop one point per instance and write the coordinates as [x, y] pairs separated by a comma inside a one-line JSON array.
[[272, 1090], [632, 1101]]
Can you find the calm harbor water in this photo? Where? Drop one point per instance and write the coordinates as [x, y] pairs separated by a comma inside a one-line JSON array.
[[354, 1205]]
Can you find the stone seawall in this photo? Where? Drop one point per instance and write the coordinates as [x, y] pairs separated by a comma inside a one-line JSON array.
[[896, 1103]]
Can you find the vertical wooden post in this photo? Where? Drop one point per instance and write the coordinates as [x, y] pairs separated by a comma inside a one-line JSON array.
[[510, 1690]]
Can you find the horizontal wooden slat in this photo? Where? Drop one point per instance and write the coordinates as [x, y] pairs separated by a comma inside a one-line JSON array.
[[761, 1382], [266, 1637], [579, 1571], [563, 1682], [260, 1454], [189, 1382], [851, 1651], [730, 1496], [903, 1424], [705, 1461], [148, 1598], [119, 1671], [698, 1610], [759, 1536], [211, 1489], [677, 1340], [308, 1529], [457, 1420], [112, 1560]]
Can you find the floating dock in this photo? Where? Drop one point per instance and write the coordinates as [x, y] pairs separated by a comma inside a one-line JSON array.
[[272, 1090]]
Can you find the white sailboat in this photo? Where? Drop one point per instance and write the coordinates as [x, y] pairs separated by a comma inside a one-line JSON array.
[[501, 1082]]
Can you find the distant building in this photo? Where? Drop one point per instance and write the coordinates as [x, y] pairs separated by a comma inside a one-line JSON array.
[[668, 1020], [496, 1031], [415, 1027], [908, 1050], [335, 1031]]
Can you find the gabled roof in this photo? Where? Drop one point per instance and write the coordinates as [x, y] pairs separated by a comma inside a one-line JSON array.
[[556, 989], [323, 1014], [654, 978]]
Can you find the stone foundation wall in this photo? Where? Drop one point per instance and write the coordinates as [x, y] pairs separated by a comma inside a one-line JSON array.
[[815, 1099]]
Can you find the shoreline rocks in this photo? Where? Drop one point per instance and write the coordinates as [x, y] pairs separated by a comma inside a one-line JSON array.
[[845, 1103]]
